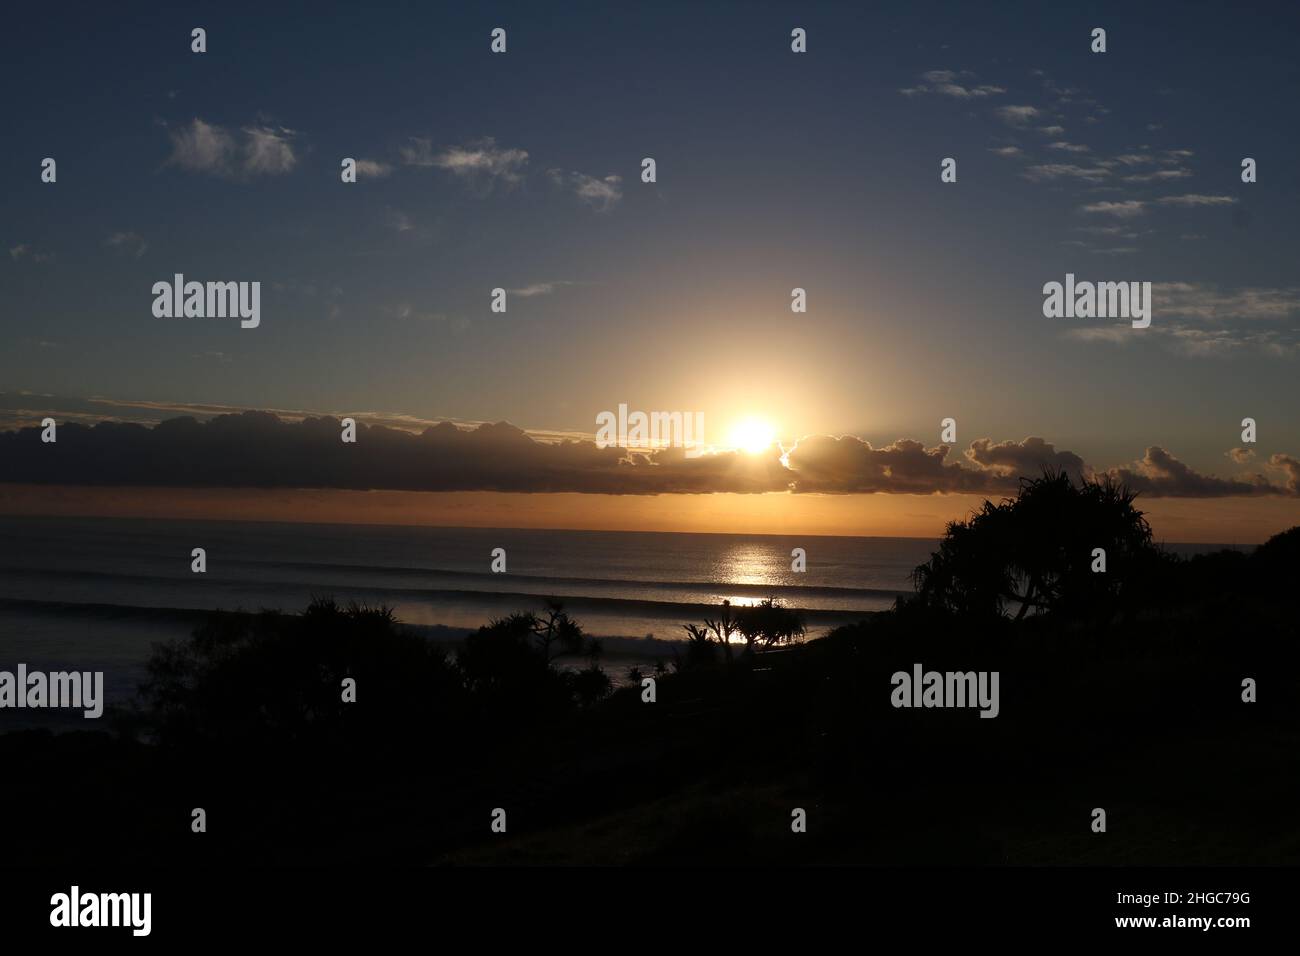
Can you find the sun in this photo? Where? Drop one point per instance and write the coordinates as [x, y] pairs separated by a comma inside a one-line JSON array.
[[752, 435]]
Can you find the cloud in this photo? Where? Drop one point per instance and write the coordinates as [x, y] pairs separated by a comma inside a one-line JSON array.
[[1028, 457], [1291, 466], [847, 465], [267, 151], [1200, 320], [1121, 231], [601, 194], [1159, 175], [480, 162], [945, 83], [408, 313], [1051, 130], [1129, 208], [24, 251], [1017, 115], [540, 288], [1209, 303], [1240, 455], [372, 169], [1051, 171], [399, 221], [1126, 209], [1159, 474], [128, 243], [1070, 147], [419, 153], [203, 147], [259, 449], [1197, 200], [1007, 151]]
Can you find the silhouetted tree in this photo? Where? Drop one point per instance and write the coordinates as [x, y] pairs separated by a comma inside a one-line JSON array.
[[769, 622], [506, 664], [555, 629], [590, 685], [270, 678], [1035, 553], [1274, 563], [719, 631], [701, 651]]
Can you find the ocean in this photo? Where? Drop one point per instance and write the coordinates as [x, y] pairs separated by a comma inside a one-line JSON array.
[[96, 593]]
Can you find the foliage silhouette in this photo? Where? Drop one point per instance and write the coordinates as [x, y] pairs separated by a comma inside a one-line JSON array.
[[1035, 553], [769, 623]]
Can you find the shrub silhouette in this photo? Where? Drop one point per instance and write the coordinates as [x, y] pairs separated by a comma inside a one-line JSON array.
[[769, 623], [701, 649], [1273, 564], [506, 665], [1035, 553], [703, 642], [273, 678]]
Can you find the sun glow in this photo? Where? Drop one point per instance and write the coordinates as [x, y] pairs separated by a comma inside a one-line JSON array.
[[752, 435]]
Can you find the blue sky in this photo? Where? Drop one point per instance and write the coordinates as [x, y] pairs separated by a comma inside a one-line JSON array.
[[775, 170]]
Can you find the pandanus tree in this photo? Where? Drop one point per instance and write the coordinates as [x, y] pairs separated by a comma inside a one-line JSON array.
[[1038, 553], [719, 630], [769, 623]]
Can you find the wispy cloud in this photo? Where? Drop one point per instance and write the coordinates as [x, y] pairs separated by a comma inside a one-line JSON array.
[[541, 288], [1200, 320], [601, 194], [951, 83], [1125, 209], [1158, 176], [480, 161], [1121, 231], [202, 147], [128, 243], [399, 221], [1051, 171], [1017, 115], [24, 251], [1193, 199], [1209, 303], [409, 313]]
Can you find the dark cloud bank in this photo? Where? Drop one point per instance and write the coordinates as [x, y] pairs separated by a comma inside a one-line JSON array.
[[258, 450]]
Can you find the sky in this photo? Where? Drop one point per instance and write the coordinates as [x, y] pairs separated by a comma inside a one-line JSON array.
[[775, 170]]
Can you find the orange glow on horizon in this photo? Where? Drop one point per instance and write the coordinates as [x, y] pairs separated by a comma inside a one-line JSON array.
[[1218, 520]]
